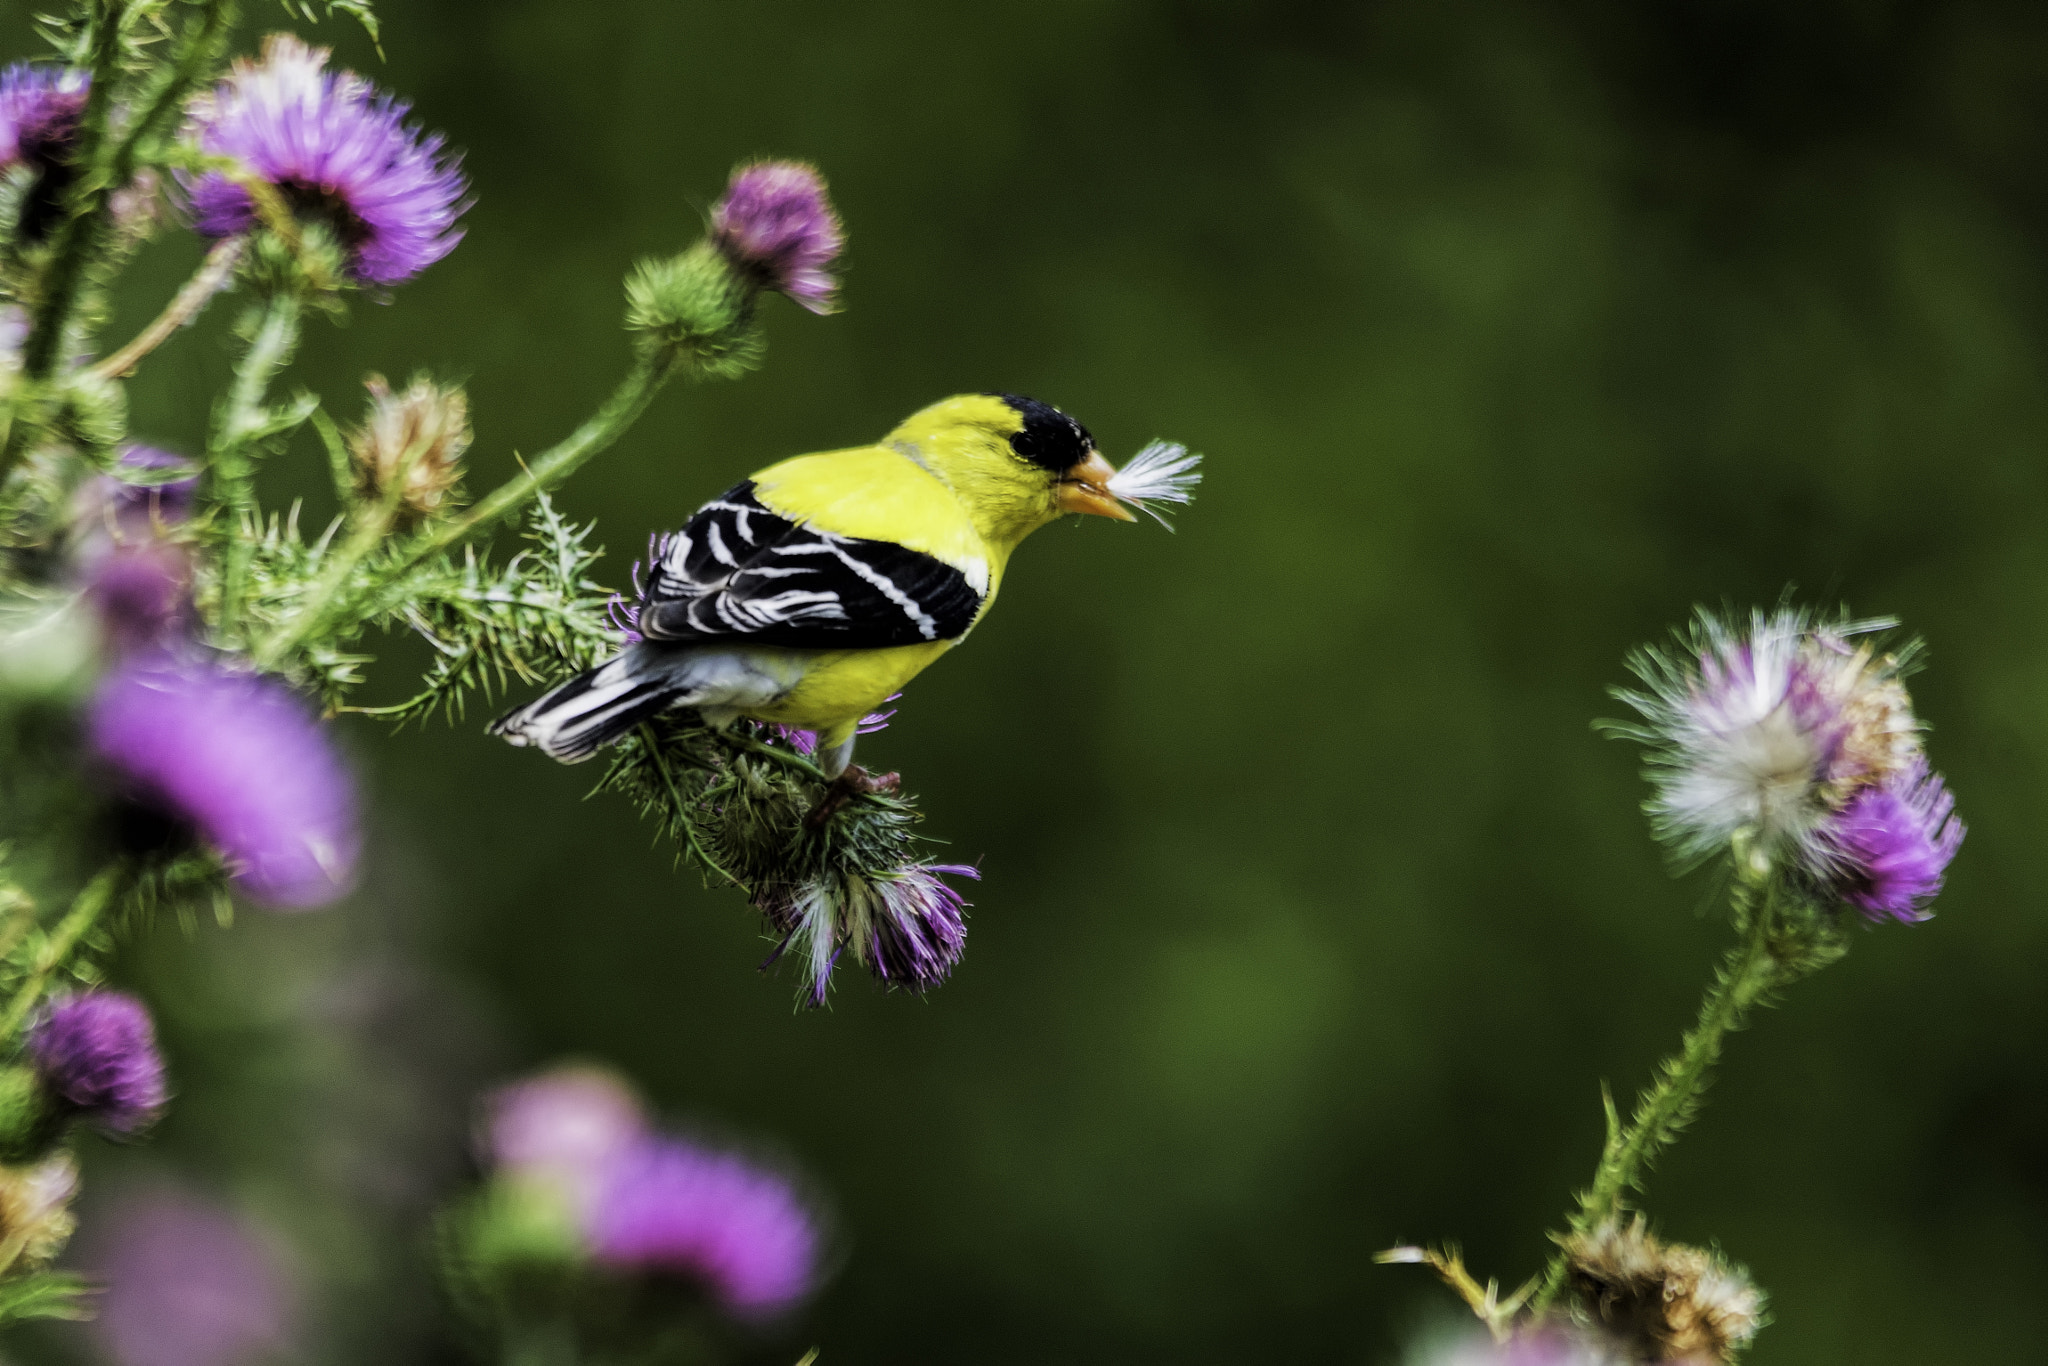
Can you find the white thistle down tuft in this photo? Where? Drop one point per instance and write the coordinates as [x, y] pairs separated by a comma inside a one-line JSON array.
[[1163, 472], [1768, 731]]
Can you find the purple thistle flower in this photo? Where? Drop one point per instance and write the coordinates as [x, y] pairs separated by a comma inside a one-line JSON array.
[[921, 931], [142, 593], [188, 1284], [337, 150], [96, 1053], [40, 108], [737, 1229], [1892, 844], [907, 926], [236, 757], [569, 1126], [169, 502], [39, 111], [776, 225]]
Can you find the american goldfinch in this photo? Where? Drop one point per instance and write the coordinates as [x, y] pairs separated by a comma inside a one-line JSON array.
[[810, 593]]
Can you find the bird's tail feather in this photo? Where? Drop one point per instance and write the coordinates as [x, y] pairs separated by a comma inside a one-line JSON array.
[[574, 720]]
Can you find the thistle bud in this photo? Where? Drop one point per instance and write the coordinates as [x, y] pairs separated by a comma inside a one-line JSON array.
[[700, 308], [410, 445], [1664, 1301]]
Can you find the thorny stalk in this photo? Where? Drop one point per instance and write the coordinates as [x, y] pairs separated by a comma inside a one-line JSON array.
[[244, 420], [1665, 1106], [620, 411], [212, 276]]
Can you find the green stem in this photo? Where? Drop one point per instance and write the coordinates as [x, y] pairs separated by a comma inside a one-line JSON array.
[[1664, 1107], [84, 220], [79, 237], [211, 277], [77, 922], [231, 456], [620, 411]]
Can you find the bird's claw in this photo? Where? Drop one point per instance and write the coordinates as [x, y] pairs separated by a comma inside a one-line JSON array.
[[855, 781]]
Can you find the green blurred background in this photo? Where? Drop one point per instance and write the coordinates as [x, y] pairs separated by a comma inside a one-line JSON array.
[[1314, 911]]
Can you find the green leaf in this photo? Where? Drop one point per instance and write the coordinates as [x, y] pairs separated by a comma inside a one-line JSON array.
[[46, 1295]]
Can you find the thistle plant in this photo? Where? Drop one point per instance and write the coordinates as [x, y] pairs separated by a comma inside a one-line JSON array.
[[1784, 749], [174, 651], [598, 1236]]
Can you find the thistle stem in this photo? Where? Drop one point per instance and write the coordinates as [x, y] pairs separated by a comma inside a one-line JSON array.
[[77, 922], [1664, 1107], [211, 277], [241, 420], [85, 210], [650, 372]]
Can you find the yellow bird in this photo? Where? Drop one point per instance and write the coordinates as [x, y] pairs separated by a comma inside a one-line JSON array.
[[810, 593]]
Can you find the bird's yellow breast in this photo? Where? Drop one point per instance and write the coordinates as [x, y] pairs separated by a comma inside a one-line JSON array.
[[839, 687]]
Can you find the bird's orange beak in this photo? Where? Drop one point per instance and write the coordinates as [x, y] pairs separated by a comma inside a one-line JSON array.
[[1085, 488]]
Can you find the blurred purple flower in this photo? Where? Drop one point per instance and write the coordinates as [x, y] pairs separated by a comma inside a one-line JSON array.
[[1892, 844], [96, 1053], [142, 594], [39, 111], [920, 931], [735, 1228], [567, 1125], [188, 1284], [39, 114], [239, 759], [336, 150], [776, 224]]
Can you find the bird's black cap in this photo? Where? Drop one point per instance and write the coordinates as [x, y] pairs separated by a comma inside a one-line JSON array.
[[1050, 438]]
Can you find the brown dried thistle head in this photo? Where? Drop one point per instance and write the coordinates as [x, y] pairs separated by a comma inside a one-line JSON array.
[[1662, 1301], [411, 443]]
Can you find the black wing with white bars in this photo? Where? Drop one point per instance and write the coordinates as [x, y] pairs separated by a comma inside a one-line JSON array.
[[740, 571]]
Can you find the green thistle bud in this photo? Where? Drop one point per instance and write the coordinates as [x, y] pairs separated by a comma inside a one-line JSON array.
[[698, 307], [515, 1242], [410, 445]]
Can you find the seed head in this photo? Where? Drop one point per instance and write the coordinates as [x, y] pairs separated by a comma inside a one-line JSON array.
[[1663, 1301], [411, 443]]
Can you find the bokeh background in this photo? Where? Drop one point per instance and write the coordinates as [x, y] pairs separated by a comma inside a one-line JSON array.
[[1315, 912]]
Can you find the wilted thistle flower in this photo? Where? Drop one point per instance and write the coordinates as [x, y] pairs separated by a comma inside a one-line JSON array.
[[906, 926], [1775, 736], [188, 1283], [96, 1054], [339, 152], [411, 443], [35, 1206], [238, 760], [776, 225], [39, 114], [734, 1228], [1663, 1301]]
